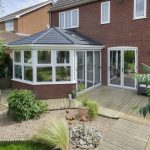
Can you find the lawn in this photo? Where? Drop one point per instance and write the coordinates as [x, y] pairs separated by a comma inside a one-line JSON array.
[[27, 146]]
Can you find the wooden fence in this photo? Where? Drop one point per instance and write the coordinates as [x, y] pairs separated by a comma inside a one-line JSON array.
[[5, 83]]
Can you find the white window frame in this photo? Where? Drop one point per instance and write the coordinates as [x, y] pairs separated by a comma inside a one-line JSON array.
[[27, 65], [108, 21], [9, 25], [145, 10], [37, 65], [72, 26], [17, 64]]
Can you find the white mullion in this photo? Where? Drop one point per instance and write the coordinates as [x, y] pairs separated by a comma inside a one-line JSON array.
[[53, 62], [34, 65], [22, 64], [13, 65], [85, 69], [72, 64], [94, 68]]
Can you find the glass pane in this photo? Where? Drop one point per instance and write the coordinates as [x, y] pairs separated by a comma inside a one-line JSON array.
[[129, 68], [74, 17], [97, 68], [115, 66], [44, 74], [28, 57], [44, 57], [139, 8], [68, 19], [17, 55], [81, 70], [18, 72], [63, 73], [28, 73], [63, 57], [105, 12], [89, 69], [62, 20]]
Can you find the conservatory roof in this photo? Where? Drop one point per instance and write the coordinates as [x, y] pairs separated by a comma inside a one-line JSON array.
[[56, 36]]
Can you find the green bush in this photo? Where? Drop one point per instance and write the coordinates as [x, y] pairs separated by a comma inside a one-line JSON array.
[[92, 106], [23, 105]]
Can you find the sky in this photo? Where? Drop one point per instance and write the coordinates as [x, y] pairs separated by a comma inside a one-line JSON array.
[[10, 6]]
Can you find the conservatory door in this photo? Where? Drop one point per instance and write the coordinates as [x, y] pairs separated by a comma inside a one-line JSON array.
[[122, 67], [88, 69]]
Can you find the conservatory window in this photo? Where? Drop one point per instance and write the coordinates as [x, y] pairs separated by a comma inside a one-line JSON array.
[[63, 57], [63, 73], [44, 74], [28, 71], [17, 65], [44, 57]]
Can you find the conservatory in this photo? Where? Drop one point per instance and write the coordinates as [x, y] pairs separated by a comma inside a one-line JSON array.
[[54, 62]]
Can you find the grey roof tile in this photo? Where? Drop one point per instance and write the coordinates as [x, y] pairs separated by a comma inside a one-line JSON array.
[[64, 4], [56, 36]]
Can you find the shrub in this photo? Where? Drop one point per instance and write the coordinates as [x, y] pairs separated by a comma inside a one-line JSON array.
[[92, 106], [23, 106], [5, 61], [54, 133]]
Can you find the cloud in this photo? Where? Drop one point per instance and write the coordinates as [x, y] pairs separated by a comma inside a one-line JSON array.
[[10, 6]]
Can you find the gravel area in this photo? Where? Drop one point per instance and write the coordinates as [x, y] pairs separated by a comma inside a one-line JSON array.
[[10, 130]]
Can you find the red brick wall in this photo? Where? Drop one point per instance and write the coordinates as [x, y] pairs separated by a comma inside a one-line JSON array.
[[46, 91], [34, 21], [122, 31]]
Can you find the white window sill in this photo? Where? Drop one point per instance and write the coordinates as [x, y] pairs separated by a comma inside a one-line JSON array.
[[44, 83], [139, 18], [102, 23]]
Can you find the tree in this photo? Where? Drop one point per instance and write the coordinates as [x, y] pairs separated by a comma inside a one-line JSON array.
[[1, 6]]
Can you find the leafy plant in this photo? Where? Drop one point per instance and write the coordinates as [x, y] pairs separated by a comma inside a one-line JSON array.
[[146, 109], [81, 87], [4, 61], [54, 133], [93, 107], [23, 106]]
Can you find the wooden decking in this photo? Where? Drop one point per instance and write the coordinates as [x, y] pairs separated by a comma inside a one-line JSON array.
[[118, 101], [126, 135]]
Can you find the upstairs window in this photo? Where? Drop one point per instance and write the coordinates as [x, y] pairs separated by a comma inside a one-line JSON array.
[[9, 25], [140, 9], [105, 12], [69, 19]]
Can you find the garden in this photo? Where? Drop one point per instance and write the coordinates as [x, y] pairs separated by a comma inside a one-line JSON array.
[[29, 124]]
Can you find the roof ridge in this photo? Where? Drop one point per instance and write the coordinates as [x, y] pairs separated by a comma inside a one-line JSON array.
[[42, 35], [63, 35]]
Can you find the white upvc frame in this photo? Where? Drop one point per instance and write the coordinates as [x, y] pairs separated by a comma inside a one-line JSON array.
[[145, 10], [101, 20], [122, 49], [53, 64], [85, 70], [71, 11]]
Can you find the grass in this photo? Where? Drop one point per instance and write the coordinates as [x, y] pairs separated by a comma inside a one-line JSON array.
[[23, 146]]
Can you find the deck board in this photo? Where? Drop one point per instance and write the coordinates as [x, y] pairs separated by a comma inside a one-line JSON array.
[[126, 135]]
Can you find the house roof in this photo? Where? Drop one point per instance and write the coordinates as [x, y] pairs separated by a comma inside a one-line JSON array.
[[24, 11], [56, 36], [65, 4], [9, 36]]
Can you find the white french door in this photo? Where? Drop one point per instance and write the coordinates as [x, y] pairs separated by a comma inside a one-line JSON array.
[[122, 66], [88, 72]]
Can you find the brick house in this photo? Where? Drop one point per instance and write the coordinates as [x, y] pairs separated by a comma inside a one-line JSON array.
[[116, 42], [29, 20]]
